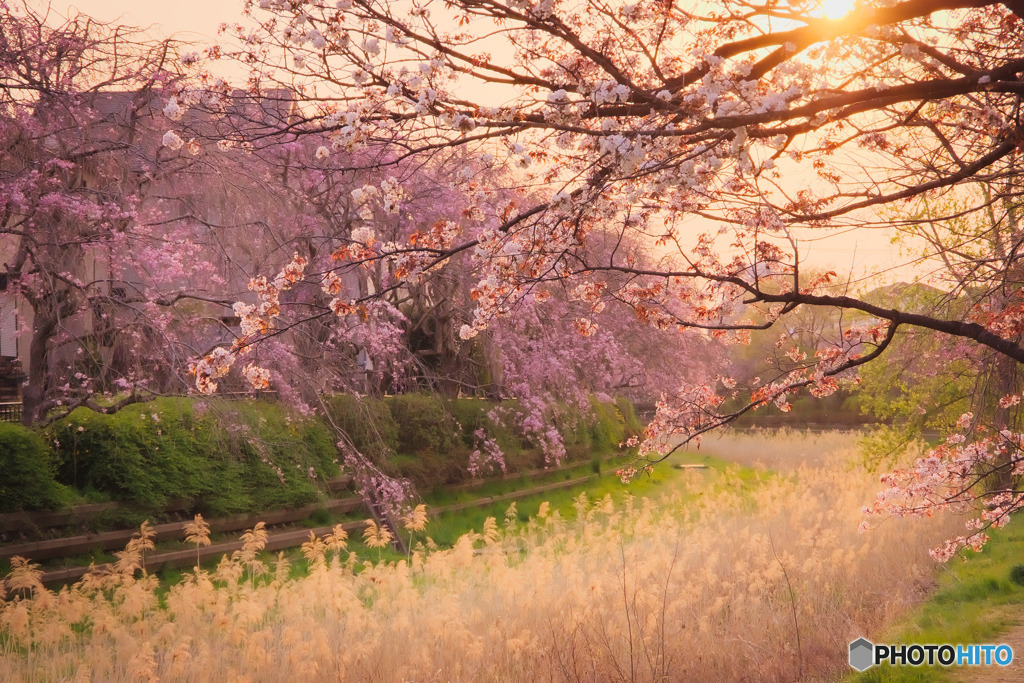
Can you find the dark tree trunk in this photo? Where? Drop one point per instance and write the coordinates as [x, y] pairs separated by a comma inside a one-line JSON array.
[[34, 392]]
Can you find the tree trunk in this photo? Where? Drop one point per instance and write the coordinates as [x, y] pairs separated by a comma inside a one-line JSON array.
[[34, 392]]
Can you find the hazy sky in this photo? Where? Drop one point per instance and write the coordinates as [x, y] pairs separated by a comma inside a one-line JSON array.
[[198, 20]]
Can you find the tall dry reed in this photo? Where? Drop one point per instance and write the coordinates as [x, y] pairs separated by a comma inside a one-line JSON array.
[[724, 579]]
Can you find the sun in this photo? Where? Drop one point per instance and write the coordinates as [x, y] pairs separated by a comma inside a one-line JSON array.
[[836, 9]]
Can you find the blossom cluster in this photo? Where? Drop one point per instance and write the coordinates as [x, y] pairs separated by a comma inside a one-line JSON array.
[[951, 477], [488, 460], [256, 320]]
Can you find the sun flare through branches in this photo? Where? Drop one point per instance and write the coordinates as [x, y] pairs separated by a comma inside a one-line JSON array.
[[837, 9]]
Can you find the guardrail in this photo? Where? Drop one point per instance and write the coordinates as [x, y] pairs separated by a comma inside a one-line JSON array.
[[10, 412]]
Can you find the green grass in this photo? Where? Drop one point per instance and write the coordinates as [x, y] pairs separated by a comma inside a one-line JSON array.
[[446, 528], [975, 602]]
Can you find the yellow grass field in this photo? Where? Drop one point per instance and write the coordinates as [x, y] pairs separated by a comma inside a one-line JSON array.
[[725, 578]]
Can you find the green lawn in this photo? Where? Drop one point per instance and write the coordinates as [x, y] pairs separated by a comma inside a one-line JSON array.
[[975, 602]]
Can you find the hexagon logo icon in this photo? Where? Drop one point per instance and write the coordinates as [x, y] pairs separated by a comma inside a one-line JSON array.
[[862, 654]]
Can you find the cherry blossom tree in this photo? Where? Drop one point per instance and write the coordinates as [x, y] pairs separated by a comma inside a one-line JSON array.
[[717, 134], [539, 358], [114, 251], [950, 384], [76, 102]]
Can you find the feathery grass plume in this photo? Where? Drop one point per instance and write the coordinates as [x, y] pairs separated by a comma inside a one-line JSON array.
[[283, 565], [314, 549], [370, 533], [197, 532], [511, 514], [542, 513], [181, 656], [490, 533], [229, 571], [142, 666], [337, 540], [581, 503], [128, 562], [253, 542], [376, 536], [16, 625], [145, 541], [605, 506], [94, 579], [25, 576], [461, 555], [133, 557], [136, 599], [417, 519]]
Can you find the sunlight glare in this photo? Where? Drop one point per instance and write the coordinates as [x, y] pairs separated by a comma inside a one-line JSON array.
[[836, 9]]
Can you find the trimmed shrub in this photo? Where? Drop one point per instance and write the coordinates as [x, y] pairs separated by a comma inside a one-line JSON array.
[[424, 423], [216, 457], [470, 414], [282, 459], [133, 456], [366, 421], [26, 472], [609, 427], [631, 421], [1017, 574], [223, 457]]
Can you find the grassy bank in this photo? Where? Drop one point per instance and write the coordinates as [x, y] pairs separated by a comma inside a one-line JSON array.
[[974, 602], [616, 586], [222, 457]]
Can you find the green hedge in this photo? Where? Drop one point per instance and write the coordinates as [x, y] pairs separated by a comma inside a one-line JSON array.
[[27, 472], [215, 457], [428, 439], [223, 457], [425, 424], [366, 421]]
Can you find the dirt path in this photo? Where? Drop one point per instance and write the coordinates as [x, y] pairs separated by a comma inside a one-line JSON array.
[[1001, 674]]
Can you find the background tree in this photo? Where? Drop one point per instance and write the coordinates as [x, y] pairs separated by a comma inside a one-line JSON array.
[[76, 111], [326, 206], [974, 259], [651, 121]]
